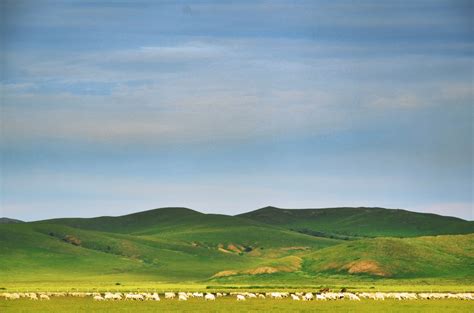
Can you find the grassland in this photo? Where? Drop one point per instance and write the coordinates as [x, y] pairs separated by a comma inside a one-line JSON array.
[[230, 305], [175, 248]]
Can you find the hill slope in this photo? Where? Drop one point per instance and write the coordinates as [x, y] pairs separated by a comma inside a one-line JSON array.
[[182, 245], [439, 256], [6, 220], [181, 224], [366, 222]]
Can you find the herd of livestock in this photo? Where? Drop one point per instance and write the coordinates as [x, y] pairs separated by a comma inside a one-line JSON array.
[[239, 296]]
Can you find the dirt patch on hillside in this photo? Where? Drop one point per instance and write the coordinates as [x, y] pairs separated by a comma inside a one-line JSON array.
[[262, 270], [234, 248], [365, 267], [224, 250], [72, 240], [225, 273], [295, 248]]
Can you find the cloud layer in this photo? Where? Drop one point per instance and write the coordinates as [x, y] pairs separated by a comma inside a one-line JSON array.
[[232, 106]]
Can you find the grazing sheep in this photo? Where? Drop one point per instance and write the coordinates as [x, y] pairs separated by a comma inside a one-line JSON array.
[[33, 296], [210, 297], [379, 296], [295, 297], [240, 298], [132, 296], [98, 298], [44, 297], [170, 295], [308, 296], [353, 297], [182, 297], [321, 297], [261, 296]]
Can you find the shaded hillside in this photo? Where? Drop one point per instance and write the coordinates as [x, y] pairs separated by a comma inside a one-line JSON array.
[[369, 222], [157, 218], [194, 227], [6, 220]]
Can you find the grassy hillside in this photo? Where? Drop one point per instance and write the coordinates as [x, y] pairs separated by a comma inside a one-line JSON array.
[[439, 256], [197, 229], [369, 222], [177, 245], [188, 246]]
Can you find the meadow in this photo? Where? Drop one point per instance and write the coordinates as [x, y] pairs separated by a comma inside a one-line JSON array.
[[229, 304]]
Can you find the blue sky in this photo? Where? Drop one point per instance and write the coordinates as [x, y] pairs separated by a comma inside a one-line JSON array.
[[112, 107]]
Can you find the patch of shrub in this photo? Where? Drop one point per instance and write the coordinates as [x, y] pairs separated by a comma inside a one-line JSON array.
[[72, 240]]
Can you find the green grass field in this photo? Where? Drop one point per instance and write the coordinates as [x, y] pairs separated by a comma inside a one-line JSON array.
[[231, 305]]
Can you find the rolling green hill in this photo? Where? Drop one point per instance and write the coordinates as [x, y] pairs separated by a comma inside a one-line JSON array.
[[439, 256], [182, 245], [365, 222]]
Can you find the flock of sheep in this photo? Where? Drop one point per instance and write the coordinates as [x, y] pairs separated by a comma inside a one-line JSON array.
[[240, 296]]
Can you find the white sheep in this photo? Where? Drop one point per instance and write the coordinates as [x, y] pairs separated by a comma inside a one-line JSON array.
[[308, 296], [240, 298], [321, 297], [170, 295], [295, 297], [353, 297], [210, 297], [44, 297]]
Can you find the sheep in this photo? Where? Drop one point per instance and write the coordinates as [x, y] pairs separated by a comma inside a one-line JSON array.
[[33, 296], [131, 296], [170, 295], [240, 298], [210, 297], [295, 297], [308, 296], [353, 297], [98, 298], [320, 297], [182, 297], [44, 297], [276, 295], [261, 296]]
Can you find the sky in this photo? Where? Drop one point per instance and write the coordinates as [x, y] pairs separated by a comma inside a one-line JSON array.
[[114, 107]]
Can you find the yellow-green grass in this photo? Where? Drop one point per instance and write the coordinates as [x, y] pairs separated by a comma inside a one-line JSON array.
[[229, 304]]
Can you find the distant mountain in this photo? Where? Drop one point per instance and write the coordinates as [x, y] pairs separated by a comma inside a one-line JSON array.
[[366, 222], [6, 220]]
